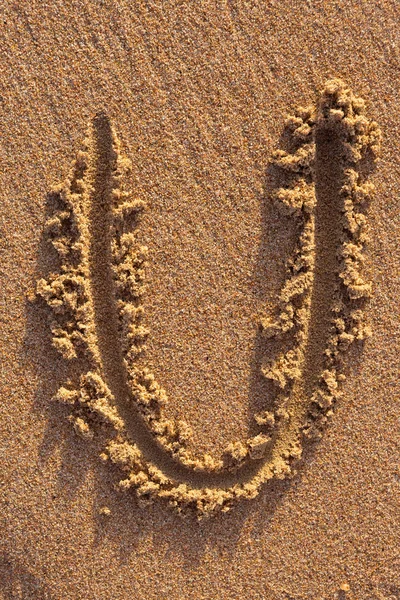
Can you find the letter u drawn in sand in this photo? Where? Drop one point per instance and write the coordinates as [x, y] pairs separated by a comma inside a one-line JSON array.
[[97, 316]]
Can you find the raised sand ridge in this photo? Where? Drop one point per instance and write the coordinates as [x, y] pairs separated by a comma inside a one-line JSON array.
[[97, 309]]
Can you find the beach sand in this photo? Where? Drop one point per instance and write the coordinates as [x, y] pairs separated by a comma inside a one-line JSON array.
[[198, 94]]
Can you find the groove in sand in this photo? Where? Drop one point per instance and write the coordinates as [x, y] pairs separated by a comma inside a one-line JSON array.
[[97, 310]]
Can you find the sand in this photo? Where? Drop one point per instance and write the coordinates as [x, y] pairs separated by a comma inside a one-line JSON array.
[[197, 97]]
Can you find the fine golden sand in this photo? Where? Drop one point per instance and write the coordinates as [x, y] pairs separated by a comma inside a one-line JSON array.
[[206, 318]]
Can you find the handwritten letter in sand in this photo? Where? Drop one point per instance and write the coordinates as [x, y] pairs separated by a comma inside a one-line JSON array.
[[97, 312]]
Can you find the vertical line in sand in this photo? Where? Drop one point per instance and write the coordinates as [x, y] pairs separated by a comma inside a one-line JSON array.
[[328, 178], [328, 175], [101, 277]]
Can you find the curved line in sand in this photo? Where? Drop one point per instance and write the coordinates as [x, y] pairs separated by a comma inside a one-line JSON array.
[[106, 321], [96, 300], [108, 339]]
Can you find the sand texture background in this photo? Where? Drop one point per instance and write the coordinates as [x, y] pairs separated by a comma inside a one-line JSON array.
[[198, 93]]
